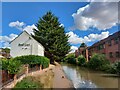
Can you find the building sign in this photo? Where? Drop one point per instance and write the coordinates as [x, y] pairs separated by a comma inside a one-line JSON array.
[[23, 44]]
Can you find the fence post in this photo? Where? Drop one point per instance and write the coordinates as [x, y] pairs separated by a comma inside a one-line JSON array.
[[26, 72], [40, 67], [15, 78]]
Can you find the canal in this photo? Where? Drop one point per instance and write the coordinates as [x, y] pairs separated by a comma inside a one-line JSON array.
[[84, 78]]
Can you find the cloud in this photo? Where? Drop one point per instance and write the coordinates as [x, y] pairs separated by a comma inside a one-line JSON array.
[[5, 40], [17, 24], [100, 15], [75, 39], [73, 48], [23, 27], [62, 25], [30, 28]]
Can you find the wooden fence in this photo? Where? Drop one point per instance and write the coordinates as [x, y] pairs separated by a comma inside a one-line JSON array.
[[8, 78]]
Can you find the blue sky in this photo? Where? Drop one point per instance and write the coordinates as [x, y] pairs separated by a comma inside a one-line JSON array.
[[30, 13], [80, 19]]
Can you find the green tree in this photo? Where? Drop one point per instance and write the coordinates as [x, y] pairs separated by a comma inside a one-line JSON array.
[[7, 50], [52, 36], [70, 58], [83, 45], [81, 60], [98, 62]]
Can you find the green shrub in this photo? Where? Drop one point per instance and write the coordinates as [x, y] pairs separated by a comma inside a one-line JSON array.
[[118, 68], [98, 62], [3, 64], [45, 62], [81, 60], [28, 82], [13, 66], [34, 59], [115, 68], [70, 59], [106, 67], [28, 59]]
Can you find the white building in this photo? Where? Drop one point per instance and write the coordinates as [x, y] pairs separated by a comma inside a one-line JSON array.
[[25, 44]]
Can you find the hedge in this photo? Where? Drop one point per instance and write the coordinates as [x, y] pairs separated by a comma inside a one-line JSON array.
[[12, 66], [33, 59]]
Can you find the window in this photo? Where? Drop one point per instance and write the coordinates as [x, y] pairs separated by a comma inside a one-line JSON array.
[[111, 55], [116, 40], [109, 43], [117, 54], [101, 46]]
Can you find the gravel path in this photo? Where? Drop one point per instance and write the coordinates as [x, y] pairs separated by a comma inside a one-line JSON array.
[[60, 80]]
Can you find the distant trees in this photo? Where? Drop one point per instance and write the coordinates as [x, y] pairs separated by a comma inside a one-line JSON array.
[[70, 58], [50, 33], [98, 62], [83, 45], [7, 50], [81, 60]]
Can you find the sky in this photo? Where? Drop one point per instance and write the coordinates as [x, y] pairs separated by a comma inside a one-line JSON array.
[[86, 22]]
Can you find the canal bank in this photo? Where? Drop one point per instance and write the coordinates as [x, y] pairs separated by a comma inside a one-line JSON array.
[[52, 77], [85, 78], [60, 80]]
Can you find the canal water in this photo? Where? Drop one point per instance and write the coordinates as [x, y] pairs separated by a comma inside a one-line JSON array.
[[84, 78]]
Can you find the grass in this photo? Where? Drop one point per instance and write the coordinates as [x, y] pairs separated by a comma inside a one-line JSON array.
[[28, 82]]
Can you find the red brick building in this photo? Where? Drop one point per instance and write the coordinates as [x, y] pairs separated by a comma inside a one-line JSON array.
[[82, 51], [109, 46]]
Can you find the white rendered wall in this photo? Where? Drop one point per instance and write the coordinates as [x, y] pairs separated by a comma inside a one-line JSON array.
[[31, 49]]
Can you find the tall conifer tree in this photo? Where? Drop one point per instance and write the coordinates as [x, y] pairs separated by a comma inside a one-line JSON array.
[[52, 36]]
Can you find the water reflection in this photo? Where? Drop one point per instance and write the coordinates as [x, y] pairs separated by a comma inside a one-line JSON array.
[[84, 78]]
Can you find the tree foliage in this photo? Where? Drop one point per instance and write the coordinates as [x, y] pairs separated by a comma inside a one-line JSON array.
[[7, 50], [70, 58], [81, 60], [3, 63], [52, 36], [98, 61], [83, 45]]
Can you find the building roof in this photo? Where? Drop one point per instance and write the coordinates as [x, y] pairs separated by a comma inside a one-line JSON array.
[[110, 37], [29, 36]]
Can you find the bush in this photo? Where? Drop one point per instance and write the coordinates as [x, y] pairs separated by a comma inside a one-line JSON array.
[[115, 68], [112, 69], [81, 60], [45, 62], [3, 64], [118, 68], [13, 66], [98, 62], [34, 59], [28, 82], [70, 59]]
